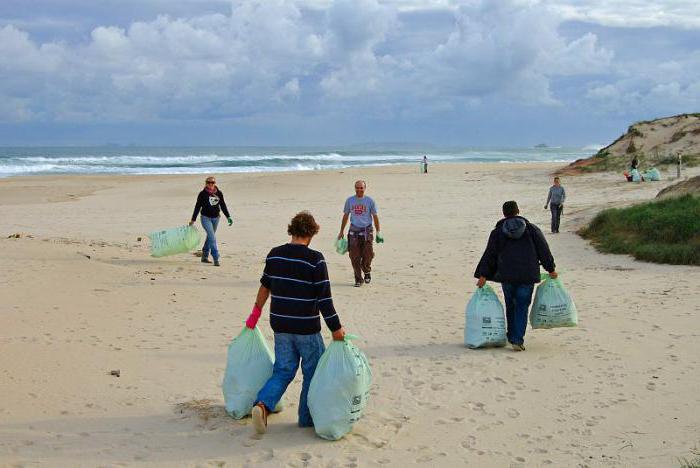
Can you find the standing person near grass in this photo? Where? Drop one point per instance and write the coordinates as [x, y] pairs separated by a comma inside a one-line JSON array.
[[296, 277], [555, 201], [210, 202], [513, 255], [361, 210]]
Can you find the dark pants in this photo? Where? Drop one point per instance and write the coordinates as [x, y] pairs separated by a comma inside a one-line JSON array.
[[557, 210], [289, 350], [517, 298], [361, 251]]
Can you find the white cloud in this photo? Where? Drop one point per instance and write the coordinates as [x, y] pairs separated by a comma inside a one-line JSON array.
[[632, 13], [270, 57]]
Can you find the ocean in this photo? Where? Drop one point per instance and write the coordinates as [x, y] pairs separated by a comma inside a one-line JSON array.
[[22, 161]]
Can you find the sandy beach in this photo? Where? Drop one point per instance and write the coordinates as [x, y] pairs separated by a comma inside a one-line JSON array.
[[80, 296]]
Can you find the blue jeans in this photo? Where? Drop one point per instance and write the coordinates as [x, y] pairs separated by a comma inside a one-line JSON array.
[[289, 348], [209, 225], [517, 298]]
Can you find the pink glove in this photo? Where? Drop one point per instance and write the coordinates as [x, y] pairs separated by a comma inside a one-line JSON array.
[[253, 317]]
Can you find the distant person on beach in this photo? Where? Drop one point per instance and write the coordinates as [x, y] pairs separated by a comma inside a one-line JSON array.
[[296, 277], [513, 255], [361, 210], [210, 202], [634, 163], [555, 201], [425, 164]]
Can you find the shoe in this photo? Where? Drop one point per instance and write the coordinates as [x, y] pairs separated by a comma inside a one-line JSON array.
[[216, 263], [358, 284], [518, 347], [259, 415], [205, 259], [368, 278]]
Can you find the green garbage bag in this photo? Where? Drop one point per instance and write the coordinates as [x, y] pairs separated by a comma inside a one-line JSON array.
[[485, 321], [173, 241], [339, 389], [248, 367], [653, 174], [341, 246], [553, 306]]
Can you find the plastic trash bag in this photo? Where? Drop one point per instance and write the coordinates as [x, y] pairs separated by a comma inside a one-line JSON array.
[[341, 246], [339, 389], [485, 320], [553, 306], [173, 241], [636, 176], [248, 367], [652, 174]]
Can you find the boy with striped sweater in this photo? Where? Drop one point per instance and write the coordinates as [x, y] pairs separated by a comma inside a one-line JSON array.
[[296, 278]]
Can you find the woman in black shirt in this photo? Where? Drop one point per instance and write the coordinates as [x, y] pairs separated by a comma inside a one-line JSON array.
[[210, 201]]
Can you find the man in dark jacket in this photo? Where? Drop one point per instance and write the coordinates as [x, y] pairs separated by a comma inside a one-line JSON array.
[[515, 250]]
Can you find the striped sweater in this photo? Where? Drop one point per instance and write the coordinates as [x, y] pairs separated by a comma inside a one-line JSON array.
[[297, 278]]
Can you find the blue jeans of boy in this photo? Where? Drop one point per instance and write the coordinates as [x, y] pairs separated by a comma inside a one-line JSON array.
[[517, 298], [209, 225], [289, 350]]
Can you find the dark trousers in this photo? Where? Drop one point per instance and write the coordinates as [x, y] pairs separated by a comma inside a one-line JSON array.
[[557, 210], [517, 298], [361, 250]]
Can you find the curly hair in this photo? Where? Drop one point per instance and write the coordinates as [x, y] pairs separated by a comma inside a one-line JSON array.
[[303, 224]]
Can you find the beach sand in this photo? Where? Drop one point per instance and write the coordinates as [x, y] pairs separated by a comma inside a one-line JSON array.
[[80, 296]]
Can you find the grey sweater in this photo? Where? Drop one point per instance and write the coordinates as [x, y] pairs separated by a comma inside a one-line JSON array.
[[556, 195]]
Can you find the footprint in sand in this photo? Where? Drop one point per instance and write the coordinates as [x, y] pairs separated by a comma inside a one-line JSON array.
[[469, 443], [299, 459], [512, 412], [261, 456]]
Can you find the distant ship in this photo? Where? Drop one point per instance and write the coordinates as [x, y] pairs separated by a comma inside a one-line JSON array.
[[541, 145]]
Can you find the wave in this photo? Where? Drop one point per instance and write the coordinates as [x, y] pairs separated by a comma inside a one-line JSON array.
[[182, 161]]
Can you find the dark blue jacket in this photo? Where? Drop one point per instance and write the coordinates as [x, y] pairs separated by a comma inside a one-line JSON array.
[[514, 253]]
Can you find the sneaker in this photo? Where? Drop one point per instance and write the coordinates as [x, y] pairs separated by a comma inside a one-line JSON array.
[[358, 284], [518, 347], [205, 259], [368, 278], [216, 263], [259, 415]]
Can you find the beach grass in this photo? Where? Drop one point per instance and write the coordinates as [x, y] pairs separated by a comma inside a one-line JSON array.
[[665, 231], [693, 462]]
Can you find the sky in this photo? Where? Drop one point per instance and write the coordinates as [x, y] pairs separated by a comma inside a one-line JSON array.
[[343, 72]]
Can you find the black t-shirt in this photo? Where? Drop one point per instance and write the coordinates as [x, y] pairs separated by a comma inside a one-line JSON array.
[[210, 204]]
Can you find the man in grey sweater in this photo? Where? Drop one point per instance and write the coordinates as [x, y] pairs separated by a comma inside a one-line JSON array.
[[555, 201]]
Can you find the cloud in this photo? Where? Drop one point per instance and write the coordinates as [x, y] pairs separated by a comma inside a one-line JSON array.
[[261, 59]]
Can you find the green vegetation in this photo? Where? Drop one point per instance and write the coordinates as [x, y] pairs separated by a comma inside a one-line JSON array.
[[694, 463], [665, 231]]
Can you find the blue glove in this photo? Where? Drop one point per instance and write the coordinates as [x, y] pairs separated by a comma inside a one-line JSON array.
[[230, 221]]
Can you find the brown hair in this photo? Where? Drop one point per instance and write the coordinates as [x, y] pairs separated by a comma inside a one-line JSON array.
[[302, 225], [510, 208]]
